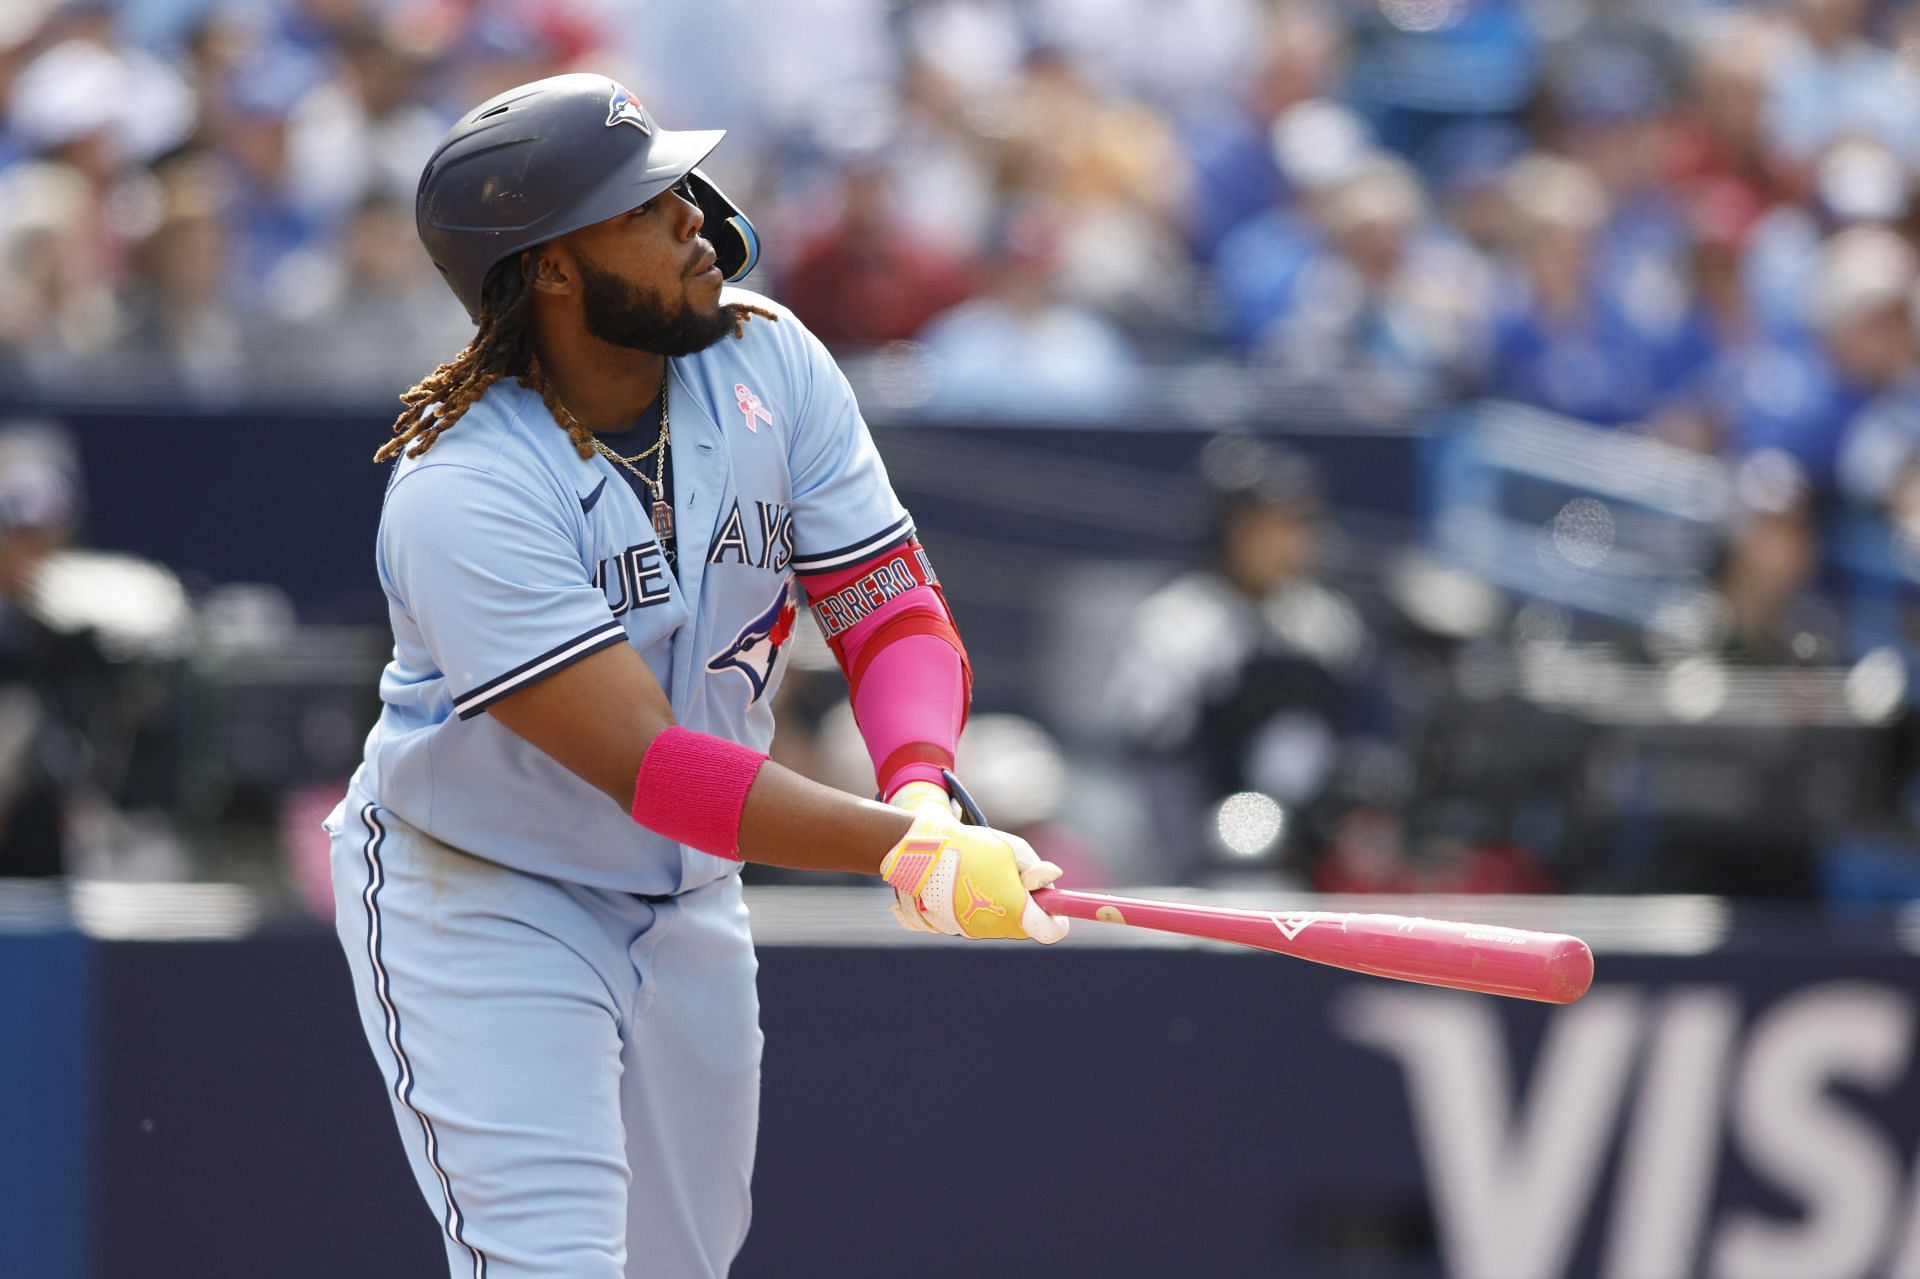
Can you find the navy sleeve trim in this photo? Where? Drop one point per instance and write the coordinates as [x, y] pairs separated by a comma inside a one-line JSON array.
[[467, 705], [893, 535]]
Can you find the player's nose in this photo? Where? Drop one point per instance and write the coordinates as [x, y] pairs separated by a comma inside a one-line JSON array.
[[693, 218]]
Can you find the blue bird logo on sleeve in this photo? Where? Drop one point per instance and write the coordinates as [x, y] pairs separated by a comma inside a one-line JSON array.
[[757, 647]]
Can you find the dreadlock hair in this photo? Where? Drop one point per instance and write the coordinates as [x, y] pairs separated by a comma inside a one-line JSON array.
[[502, 346]]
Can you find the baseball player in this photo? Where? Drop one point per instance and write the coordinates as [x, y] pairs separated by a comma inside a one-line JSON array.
[[605, 514]]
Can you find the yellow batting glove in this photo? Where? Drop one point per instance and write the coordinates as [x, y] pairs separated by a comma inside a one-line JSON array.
[[919, 798], [969, 881]]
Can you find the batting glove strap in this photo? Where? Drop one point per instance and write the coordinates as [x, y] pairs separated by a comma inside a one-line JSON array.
[[969, 881], [925, 797]]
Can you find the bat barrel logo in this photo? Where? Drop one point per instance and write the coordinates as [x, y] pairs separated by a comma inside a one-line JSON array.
[[1291, 926]]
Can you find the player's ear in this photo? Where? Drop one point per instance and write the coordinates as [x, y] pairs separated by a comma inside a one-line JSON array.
[[547, 270]]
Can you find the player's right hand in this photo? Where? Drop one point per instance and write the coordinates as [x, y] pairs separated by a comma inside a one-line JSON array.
[[969, 881]]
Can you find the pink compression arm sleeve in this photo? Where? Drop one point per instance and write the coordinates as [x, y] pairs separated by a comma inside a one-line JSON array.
[[887, 622], [692, 787], [910, 704]]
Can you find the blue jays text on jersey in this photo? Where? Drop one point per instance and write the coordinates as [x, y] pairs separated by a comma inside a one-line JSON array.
[[775, 541], [505, 556], [635, 578]]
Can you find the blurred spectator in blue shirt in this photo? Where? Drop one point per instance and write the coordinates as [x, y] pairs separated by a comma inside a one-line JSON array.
[[1879, 467], [1423, 67], [1800, 396], [1569, 334], [1722, 213], [1470, 184], [1316, 144], [249, 126], [1230, 141], [1610, 87], [315, 27], [502, 45], [1608, 109], [1386, 307], [1020, 349]]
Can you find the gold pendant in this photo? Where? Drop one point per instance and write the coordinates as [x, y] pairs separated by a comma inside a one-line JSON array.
[[662, 522]]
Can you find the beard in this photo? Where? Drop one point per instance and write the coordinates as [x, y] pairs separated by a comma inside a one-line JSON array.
[[620, 313]]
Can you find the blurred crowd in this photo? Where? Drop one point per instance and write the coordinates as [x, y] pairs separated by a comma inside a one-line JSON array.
[[1690, 217], [1694, 219]]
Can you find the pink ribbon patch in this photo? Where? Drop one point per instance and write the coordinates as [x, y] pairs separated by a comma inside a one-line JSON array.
[[751, 406]]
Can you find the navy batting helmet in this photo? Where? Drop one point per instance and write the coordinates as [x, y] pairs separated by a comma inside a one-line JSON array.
[[554, 156]]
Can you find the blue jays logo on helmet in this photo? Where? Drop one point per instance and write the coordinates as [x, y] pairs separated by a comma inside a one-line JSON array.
[[624, 108], [757, 647]]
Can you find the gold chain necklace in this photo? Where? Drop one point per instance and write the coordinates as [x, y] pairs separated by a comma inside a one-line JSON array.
[[657, 482]]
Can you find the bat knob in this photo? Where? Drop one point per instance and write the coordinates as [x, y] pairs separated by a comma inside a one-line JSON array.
[[1569, 972]]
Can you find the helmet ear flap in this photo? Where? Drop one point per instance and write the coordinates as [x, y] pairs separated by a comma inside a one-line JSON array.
[[735, 244]]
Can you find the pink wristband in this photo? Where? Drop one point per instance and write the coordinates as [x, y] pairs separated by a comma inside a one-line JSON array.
[[692, 788]]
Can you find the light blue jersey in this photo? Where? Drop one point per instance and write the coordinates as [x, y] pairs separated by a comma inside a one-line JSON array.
[[505, 557]]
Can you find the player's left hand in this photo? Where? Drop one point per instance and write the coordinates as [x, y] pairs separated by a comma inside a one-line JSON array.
[[918, 798]]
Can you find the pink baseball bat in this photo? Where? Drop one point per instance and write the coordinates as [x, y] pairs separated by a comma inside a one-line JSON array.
[[1550, 967]]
